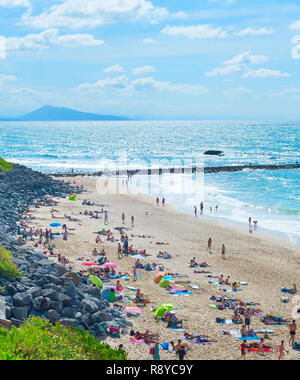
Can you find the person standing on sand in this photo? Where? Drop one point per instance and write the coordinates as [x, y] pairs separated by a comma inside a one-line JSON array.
[[243, 350], [209, 244], [156, 355], [157, 202], [105, 217], [224, 250], [163, 202], [181, 353], [120, 254], [293, 329], [195, 211], [201, 208], [132, 221], [281, 350], [123, 218]]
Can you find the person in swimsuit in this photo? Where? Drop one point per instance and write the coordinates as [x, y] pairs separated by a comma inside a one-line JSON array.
[[293, 329], [223, 251], [243, 350], [281, 350], [209, 244]]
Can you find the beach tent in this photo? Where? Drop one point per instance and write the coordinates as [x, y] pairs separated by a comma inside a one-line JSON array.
[[164, 283], [73, 197], [159, 276], [160, 311], [96, 281]]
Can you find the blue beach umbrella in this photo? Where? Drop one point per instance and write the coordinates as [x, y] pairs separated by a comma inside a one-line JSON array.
[[55, 225]]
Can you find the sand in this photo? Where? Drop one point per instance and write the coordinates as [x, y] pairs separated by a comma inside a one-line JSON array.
[[265, 262]]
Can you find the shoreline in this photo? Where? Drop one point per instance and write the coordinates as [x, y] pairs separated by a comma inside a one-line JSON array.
[[264, 262]]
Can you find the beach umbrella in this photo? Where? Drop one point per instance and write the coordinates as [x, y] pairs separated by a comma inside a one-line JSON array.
[[110, 265], [160, 311], [105, 228], [73, 197], [164, 283], [159, 276], [96, 281], [55, 225], [89, 263]]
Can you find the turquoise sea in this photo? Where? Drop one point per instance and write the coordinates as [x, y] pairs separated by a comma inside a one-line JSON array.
[[271, 197]]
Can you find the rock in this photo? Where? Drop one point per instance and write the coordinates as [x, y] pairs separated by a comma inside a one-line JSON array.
[[90, 305], [52, 315], [20, 313], [72, 276], [22, 299]]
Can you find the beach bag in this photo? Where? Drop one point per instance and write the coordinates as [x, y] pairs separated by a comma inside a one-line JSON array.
[[151, 351]]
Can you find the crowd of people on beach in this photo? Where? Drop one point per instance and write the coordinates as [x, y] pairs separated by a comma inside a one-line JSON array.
[[242, 312]]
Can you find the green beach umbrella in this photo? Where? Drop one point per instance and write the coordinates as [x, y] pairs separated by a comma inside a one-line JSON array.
[[73, 198], [105, 228], [96, 281], [160, 311]]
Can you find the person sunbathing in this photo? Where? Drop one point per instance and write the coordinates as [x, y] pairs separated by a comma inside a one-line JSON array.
[[236, 318], [174, 321], [119, 286]]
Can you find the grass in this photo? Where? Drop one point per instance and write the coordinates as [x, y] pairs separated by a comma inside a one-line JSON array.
[[38, 340], [8, 269], [5, 166]]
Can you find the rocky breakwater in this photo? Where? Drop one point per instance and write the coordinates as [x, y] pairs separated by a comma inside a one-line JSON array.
[[20, 187], [46, 289], [49, 291]]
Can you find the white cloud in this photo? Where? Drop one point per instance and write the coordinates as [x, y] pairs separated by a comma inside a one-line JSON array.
[[114, 69], [226, 70], [148, 41], [50, 37], [295, 25], [76, 14], [235, 92], [237, 63], [143, 70], [254, 32], [15, 3], [195, 31], [125, 86], [246, 57], [264, 73]]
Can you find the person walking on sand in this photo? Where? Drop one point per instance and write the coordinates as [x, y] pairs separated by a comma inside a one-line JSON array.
[[132, 221], [163, 202], [157, 202], [195, 211], [201, 208], [209, 244], [123, 218], [105, 217], [224, 251], [293, 329], [281, 350]]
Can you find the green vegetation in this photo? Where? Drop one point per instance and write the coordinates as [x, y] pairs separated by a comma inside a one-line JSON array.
[[39, 340], [5, 166], [8, 269]]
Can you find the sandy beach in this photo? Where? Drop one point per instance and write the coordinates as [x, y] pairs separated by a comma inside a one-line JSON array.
[[265, 262]]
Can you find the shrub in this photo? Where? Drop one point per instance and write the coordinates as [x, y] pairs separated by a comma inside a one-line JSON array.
[[8, 269], [5, 166], [39, 340]]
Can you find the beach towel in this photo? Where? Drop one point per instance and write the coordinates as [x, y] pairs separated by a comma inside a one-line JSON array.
[[176, 328], [137, 340]]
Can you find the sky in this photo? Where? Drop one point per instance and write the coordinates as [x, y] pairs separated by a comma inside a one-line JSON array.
[[152, 59]]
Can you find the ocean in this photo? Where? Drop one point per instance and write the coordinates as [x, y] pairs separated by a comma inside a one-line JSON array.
[[270, 197]]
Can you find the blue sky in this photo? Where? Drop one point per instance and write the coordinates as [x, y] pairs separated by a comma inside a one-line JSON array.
[[158, 59]]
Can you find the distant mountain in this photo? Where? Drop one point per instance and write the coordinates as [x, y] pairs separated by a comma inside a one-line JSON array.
[[49, 113]]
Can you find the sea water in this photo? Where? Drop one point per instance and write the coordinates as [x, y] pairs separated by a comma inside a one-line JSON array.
[[270, 197]]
